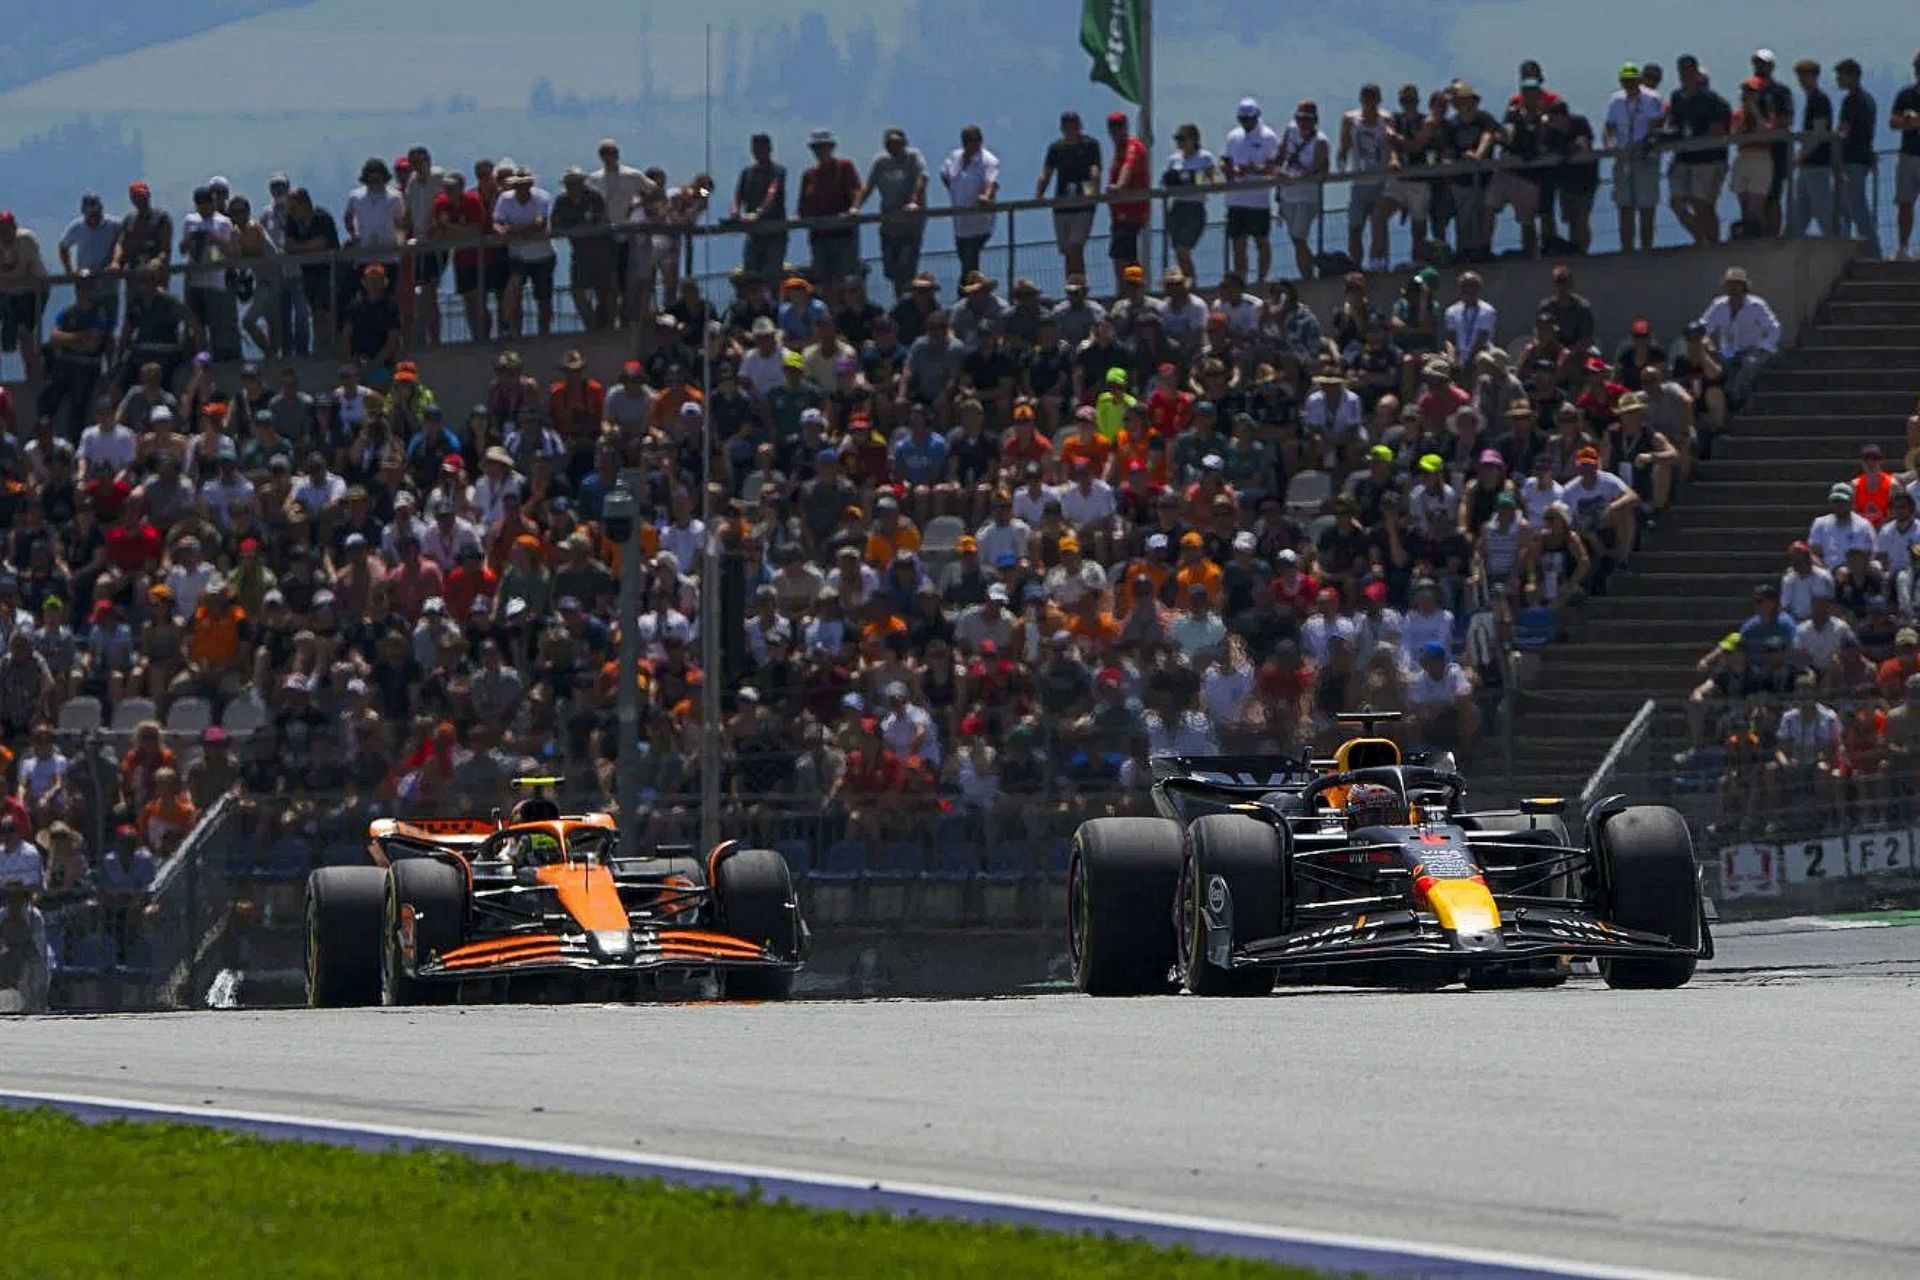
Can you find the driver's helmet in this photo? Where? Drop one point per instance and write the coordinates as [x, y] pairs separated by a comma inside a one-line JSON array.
[[1370, 804]]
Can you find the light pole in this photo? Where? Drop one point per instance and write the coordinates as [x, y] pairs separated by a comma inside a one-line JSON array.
[[620, 516]]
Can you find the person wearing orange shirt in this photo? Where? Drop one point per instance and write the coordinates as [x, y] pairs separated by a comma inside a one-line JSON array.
[[665, 413], [890, 532], [1089, 619], [1024, 443], [1211, 484], [166, 819], [1873, 487], [1154, 565], [1085, 441], [1196, 570], [214, 636], [577, 404]]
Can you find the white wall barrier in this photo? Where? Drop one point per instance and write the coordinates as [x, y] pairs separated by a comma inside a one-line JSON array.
[[1759, 869]]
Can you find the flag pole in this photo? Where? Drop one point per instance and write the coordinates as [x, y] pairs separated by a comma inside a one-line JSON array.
[[1146, 120]]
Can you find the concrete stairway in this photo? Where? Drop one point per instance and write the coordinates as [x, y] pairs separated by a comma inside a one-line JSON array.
[[1852, 378]]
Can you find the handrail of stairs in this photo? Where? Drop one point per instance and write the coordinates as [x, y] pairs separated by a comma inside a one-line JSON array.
[[1629, 742]]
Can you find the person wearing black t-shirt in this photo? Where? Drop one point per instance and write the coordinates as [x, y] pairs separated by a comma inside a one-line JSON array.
[[1776, 100], [370, 329], [1695, 113], [1568, 136], [1813, 192], [1856, 125], [1471, 134], [1073, 165], [1906, 184]]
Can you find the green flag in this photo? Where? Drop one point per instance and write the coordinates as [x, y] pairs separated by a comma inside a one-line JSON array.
[[1110, 33]]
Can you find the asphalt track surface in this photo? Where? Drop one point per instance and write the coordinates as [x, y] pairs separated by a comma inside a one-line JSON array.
[[1757, 1123]]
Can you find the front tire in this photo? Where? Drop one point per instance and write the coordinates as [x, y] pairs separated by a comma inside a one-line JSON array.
[[1123, 876], [755, 894], [437, 893], [1245, 855], [1651, 884], [345, 909]]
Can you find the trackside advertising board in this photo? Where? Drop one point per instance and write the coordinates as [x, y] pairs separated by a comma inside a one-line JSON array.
[[1761, 869]]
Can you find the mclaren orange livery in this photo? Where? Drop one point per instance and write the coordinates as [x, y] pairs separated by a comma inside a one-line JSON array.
[[1369, 867], [540, 899]]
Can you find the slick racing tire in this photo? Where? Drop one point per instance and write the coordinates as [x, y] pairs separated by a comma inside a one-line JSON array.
[[1552, 971], [1121, 881], [437, 893], [755, 894], [345, 909], [1649, 883], [1235, 861]]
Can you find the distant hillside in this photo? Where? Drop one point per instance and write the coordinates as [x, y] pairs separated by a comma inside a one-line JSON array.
[[49, 36]]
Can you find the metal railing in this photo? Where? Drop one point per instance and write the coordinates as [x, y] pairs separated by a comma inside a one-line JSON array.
[[1035, 259], [1626, 757]]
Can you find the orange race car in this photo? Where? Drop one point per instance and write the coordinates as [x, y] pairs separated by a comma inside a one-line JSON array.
[[540, 894]]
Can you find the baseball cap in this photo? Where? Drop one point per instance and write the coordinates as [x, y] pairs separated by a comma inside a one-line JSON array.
[[1434, 649], [1906, 635], [1491, 458], [1640, 328], [1431, 463], [1380, 453], [1249, 108], [997, 592], [1763, 55], [1629, 71], [1244, 540], [1588, 455], [1840, 492]]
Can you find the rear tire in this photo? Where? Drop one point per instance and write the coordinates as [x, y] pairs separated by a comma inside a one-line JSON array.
[[1247, 854], [1652, 884], [754, 890], [346, 907], [1123, 877], [437, 893]]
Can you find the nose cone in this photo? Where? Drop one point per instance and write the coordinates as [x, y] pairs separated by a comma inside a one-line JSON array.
[[1466, 910]]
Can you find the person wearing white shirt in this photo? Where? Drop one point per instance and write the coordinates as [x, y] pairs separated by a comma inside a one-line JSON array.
[[1540, 490], [1839, 531], [1319, 633], [971, 175], [522, 214], [1030, 502], [23, 936], [764, 367], [1439, 696], [1004, 535], [1893, 544], [1803, 581], [1228, 683], [1305, 156], [1806, 749], [1088, 503], [1334, 412], [1424, 624], [1744, 330], [1252, 152], [447, 535], [1820, 637], [1634, 115], [107, 449], [684, 540], [1470, 322], [21, 862]]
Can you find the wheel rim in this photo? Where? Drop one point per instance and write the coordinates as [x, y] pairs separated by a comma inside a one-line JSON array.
[[313, 956], [1078, 903], [389, 952], [1184, 924]]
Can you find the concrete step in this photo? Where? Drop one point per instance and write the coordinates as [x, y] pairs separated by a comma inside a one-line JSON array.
[[1884, 269], [1831, 399], [1846, 353], [1905, 311], [1815, 470], [1838, 451], [1562, 677], [1669, 543], [1697, 513], [1742, 568], [1705, 624], [1875, 290], [1657, 580], [1852, 337], [1803, 493], [1653, 651], [1788, 376], [1763, 422], [1691, 606]]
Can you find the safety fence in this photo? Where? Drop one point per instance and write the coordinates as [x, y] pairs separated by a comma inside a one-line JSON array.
[[292, 288]]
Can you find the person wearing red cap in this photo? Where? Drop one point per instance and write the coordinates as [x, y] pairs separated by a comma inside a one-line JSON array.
[[23, 293], [1305, 156], [146, 233], [1072, 164], [1126, 172]]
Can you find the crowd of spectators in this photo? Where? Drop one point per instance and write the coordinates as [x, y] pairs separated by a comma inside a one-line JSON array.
[[1807, 715], [978, 555]]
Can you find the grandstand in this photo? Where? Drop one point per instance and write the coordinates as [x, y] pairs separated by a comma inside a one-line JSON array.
[[975, 553]]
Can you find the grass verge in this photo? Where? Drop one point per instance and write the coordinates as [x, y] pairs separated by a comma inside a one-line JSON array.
[[137, 1200]]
